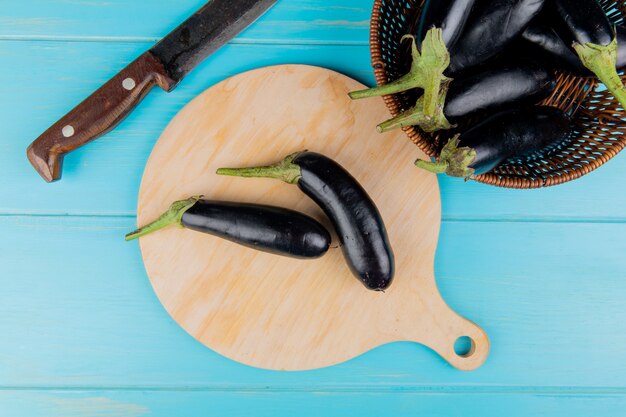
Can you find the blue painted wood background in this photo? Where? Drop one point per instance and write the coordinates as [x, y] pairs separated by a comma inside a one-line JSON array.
[[82, 333]]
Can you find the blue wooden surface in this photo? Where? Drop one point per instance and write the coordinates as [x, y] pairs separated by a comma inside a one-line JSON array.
[[82, 333]]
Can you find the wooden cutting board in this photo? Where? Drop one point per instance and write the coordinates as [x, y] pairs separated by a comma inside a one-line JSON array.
[[279, 313]]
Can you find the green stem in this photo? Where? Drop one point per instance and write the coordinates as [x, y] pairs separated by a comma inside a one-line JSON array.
[[601, 60], [454, 160], [434, 167], [435, 60], [404, 83], [284, 170], [398, 122], [416, 117], [173, 216], [426, 72]]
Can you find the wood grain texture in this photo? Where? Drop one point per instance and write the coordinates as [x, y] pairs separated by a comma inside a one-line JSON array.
[[278, 313], [103, 403], [543, 271], [103, 177], [546, 301], [290, 21]]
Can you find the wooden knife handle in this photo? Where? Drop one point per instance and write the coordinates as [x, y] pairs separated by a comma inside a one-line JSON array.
[[97, 115]]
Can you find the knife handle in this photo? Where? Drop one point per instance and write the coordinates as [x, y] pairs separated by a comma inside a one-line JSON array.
[[97, 115]]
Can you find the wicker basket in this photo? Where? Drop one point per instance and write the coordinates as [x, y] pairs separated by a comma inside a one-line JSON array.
[[599, 133]]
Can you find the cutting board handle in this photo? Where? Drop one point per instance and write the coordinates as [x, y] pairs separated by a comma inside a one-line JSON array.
[[440, 329]]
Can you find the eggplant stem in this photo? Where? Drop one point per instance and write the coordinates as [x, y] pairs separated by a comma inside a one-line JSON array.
[[436, 167], [426, 72], [284, 170], [404, 83], [416, 117], [455, 161], [173, 216], [601, 60], [435, 59]]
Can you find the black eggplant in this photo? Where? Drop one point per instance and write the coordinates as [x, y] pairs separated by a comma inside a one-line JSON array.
[[491, 28], [593, 36], [515, 133], [544, 39], [265, 228], [586, 21], [448, 15], [498, 87], [354, 215], [488, 29]]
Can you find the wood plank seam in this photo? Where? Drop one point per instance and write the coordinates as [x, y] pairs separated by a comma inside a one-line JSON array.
[[343, 389], [151, 40], [444, 219]]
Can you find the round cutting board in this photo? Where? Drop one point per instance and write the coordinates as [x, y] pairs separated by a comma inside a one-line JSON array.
[[280, 313]]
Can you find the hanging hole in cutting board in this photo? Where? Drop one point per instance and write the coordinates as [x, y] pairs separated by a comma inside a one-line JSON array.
[[464, 346]]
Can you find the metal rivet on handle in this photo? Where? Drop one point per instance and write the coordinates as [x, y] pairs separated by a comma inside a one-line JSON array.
[[68, 131], [129, 84]]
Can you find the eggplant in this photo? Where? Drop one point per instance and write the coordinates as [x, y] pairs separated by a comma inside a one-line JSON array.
[[545, 40], [539, 37], [488, 29], [498, 87], [518, 133], [586, 21], [448, 15], [357, 221], [491, 28], [269, 229], [587, 27]]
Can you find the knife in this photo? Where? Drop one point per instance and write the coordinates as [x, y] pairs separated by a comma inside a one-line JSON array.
[[165, 65]]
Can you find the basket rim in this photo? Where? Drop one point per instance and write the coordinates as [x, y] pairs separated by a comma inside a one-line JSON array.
[[419, 139]]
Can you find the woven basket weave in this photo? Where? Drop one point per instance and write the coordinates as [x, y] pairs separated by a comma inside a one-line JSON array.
[[599, 131]]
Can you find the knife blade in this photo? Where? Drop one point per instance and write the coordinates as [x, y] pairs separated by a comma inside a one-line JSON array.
[[165, 65]]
